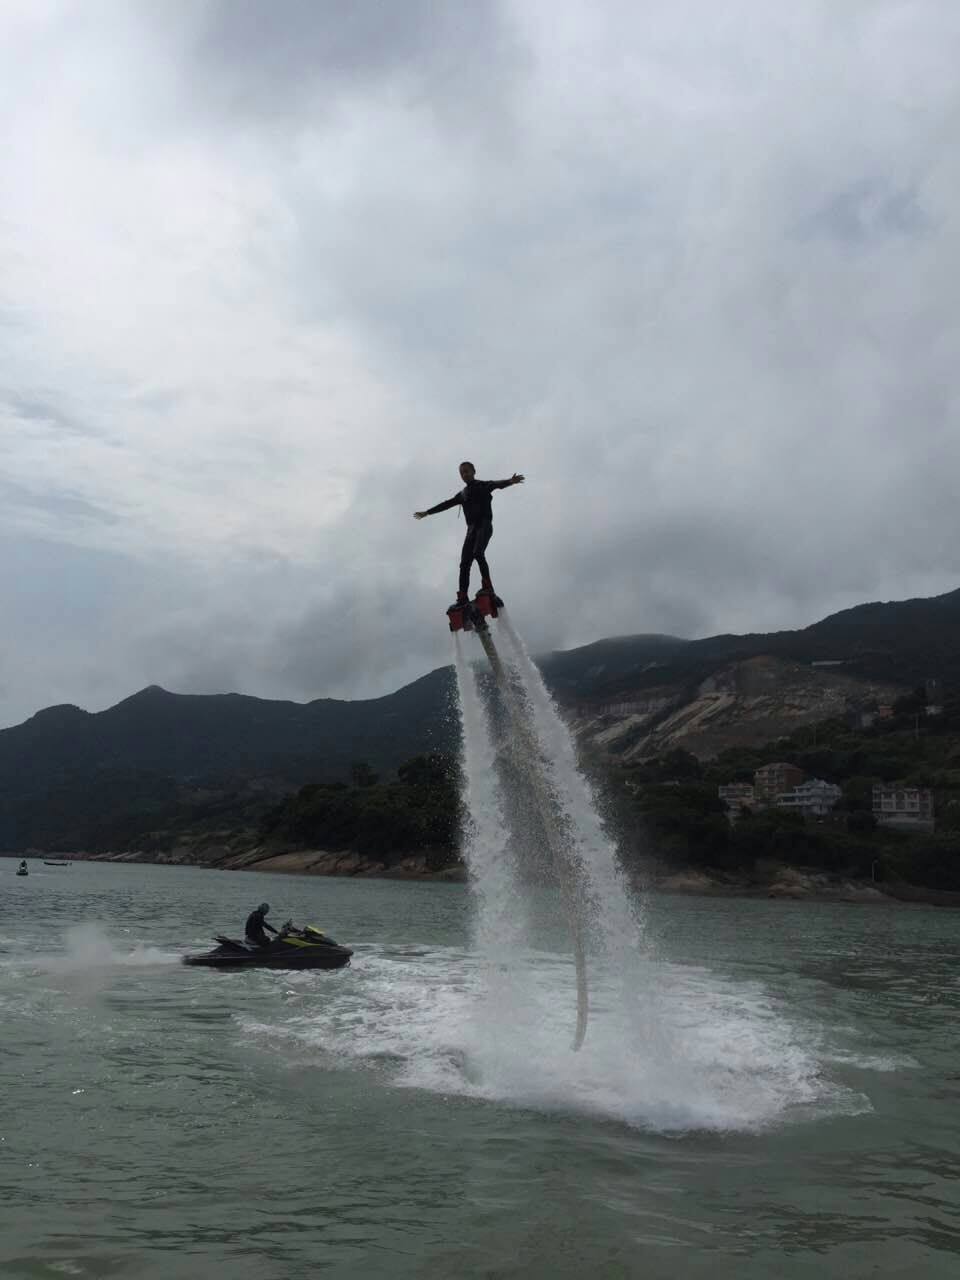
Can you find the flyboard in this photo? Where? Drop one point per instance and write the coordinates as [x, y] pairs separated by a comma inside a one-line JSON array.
[[472, 616]]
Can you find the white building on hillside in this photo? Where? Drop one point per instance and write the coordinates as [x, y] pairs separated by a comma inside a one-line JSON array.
[[896, 805], [737, 795], [813, 798]]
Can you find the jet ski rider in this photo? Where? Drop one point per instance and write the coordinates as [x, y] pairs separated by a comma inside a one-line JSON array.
[[256, 924]]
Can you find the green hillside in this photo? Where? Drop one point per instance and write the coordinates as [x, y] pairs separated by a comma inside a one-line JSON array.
[[159, 766], [673, 801]]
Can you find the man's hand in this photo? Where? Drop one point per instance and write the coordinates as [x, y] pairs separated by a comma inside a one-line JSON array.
[[516, 478], [418, 515]]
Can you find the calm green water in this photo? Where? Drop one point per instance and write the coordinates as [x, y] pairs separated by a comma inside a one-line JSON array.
[[785, 1103]]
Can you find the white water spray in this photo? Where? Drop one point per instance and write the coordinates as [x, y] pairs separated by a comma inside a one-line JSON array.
[[501, 918], [614, 913], [589, 883], [671, 1046], [502, 927]]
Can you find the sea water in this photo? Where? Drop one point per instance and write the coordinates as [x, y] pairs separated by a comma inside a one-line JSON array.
[[792, 1115]]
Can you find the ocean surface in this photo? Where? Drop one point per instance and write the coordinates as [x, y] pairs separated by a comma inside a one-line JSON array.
[[784, 1105]]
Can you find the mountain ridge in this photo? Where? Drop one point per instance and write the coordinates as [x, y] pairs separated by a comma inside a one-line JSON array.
[[65, 770]]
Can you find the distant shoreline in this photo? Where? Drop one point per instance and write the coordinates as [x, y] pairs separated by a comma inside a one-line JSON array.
[[311, 862], [796, 884], [773, 881]]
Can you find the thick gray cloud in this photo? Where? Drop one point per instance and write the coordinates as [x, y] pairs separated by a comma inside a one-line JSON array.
[[268, 272], [262, 61]]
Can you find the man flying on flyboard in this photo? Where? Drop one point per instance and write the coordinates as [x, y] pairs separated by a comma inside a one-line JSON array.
[[476, 499]]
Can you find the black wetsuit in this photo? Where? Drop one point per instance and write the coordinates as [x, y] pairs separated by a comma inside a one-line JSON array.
[[254, 929], [476, 498]]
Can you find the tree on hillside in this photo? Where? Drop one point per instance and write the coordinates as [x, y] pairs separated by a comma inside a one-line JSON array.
[[362, 775], [861, 822], [679, 764], [684, 822], [431, 770], [857, 795]]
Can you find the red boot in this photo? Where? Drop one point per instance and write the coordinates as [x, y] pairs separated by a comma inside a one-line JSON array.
[[459, 613], [487, 601]]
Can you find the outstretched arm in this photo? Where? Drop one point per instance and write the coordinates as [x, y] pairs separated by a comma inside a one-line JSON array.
[[516, 478], [441, 506], [270, 927]]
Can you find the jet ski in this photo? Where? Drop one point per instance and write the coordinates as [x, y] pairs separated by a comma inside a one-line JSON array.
[[293, 948]]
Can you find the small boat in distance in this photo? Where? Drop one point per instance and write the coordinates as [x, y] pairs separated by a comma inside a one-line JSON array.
[[55, 864]]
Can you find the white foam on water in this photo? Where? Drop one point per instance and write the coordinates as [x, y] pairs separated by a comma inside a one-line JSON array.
[[882, 1062], [669, 1047], [725, 1057], [88, 948]]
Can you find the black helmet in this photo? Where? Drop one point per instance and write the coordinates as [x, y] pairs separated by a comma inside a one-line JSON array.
[[263, 908]]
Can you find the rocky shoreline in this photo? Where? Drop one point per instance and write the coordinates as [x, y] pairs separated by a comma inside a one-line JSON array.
[[769, 879], [312, 862], [801, 885], [319, 862]]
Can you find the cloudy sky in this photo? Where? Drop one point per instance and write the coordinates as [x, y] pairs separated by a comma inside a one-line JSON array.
[[269, 271]]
